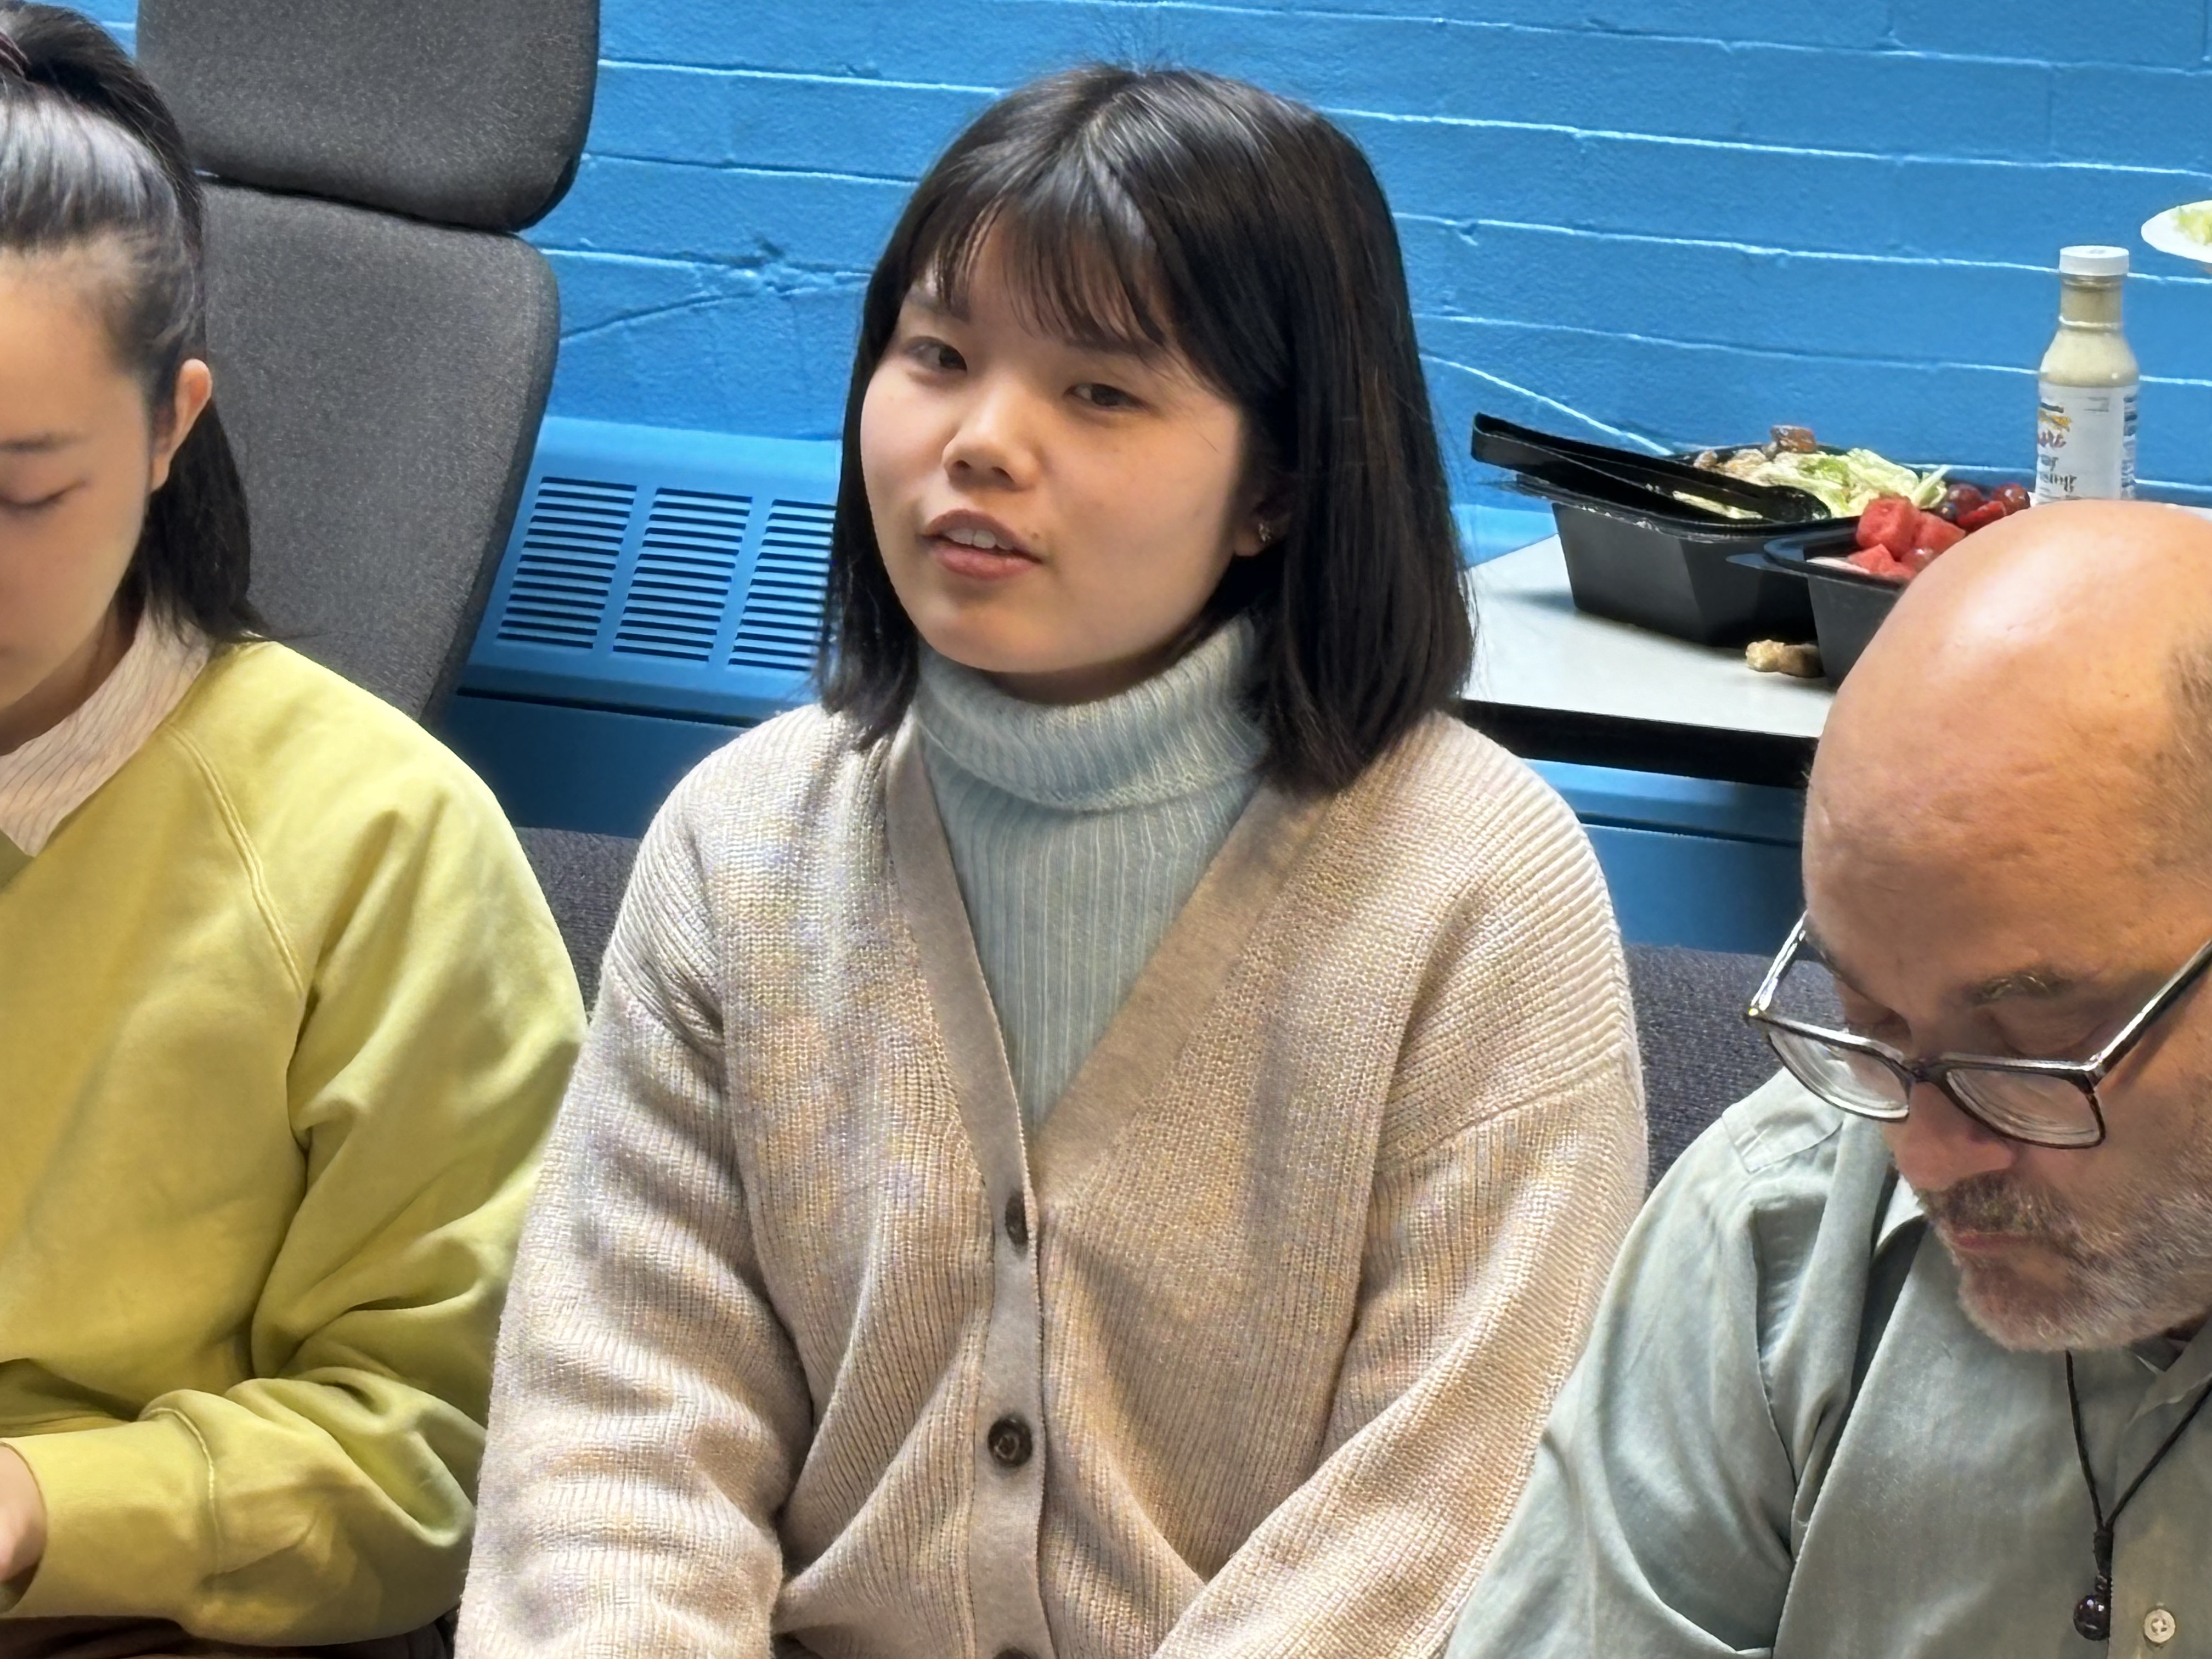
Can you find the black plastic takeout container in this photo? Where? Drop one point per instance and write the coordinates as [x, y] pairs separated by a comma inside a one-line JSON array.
[[1675, 577], [1848, 605], [1636, 552]]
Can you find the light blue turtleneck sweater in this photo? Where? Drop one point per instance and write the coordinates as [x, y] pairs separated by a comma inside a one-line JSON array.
[[1078, 833]]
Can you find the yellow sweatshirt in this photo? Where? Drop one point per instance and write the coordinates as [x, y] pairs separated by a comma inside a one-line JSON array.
[[284, 1019]]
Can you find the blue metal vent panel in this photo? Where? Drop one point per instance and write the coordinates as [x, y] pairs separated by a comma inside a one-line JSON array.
[[686, 567], [782, 620], [564, 557], [663, 572]]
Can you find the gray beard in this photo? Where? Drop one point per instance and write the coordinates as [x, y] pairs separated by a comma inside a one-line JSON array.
[[2125, 1276]]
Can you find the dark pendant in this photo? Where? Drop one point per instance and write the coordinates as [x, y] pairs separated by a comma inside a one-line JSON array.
[[2093, 1614]]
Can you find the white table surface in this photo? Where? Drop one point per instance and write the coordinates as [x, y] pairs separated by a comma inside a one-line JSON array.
[[1534, 650]]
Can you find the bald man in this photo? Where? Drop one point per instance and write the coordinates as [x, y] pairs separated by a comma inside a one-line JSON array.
[[1830, 1404]]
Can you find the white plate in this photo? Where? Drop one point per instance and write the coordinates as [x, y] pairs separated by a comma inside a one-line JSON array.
[[2164, 232]]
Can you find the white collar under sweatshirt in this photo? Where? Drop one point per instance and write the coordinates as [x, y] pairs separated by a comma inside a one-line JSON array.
[[58, 771]]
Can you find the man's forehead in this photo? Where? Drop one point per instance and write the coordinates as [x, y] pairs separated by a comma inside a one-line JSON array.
[[1923, 843], [1935, 901], [1983, 828], [2043, 981]]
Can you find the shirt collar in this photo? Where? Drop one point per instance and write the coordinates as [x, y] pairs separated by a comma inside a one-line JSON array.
[[2186, 1372], [58, 771], [1904, 1209]]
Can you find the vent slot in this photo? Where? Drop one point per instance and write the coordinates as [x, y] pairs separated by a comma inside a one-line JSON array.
[[781, 625], [570, 546], [686, 563]]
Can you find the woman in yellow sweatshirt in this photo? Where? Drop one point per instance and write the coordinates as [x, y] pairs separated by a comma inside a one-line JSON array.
[[283, 1015]]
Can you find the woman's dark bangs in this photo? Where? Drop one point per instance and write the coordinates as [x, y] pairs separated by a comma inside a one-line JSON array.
[[1077, 258], [1169, 211]]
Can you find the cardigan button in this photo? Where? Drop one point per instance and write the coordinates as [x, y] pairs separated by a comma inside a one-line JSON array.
[[1011, 1442], [1018, 1232]]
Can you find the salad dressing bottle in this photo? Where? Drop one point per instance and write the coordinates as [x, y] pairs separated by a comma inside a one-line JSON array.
[[2085, 415]]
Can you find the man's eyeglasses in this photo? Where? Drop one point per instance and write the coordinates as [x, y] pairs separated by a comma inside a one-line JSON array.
[[2043, 1103]]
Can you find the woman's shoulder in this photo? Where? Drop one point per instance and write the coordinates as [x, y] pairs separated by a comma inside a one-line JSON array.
[[341, 811], [1457, 875], [271, 727], [1449, 802], [803, 772], [323, 786], [757, 834]]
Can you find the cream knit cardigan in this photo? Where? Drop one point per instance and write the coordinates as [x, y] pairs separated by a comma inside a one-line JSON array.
[[1247, 1354]]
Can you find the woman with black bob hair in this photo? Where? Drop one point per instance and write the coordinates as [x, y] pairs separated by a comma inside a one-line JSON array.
[[283, 1015], [1101, 1137], [1247, 235]]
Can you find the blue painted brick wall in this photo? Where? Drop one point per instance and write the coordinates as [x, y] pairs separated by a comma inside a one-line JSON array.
[[1682, 221]]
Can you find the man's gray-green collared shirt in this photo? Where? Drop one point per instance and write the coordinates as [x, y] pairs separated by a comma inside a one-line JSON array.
[[1712, 1482]]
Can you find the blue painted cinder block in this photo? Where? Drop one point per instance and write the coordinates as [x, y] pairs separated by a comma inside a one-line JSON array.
[[2148, 117], [2058, 32], [961, 42], [695, 346], [1621, 216], [1837, 23], [792, 123], [1840, 200], [737, 217]]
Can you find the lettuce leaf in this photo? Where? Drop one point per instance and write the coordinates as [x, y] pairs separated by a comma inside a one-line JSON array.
[[1845, 484]]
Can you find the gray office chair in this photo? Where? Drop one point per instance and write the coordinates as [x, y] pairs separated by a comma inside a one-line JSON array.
[[1699, 1055], [383, 343], [584, 878]]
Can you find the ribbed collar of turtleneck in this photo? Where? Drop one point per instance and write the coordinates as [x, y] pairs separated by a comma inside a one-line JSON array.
[[1181, 733]]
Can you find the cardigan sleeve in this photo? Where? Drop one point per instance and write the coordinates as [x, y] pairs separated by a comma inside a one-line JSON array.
[[1511, 1165], [1657, 1522], [328, 1497], [635, 1471]]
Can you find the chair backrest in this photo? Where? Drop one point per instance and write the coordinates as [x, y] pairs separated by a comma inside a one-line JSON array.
[[1700, 1056], [584, 876], [383, 343]]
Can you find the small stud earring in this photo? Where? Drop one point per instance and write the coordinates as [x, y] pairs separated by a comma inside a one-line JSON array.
[[1266, 534]]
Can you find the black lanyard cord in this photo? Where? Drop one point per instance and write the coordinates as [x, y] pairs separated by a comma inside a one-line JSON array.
[[2093, 1616]]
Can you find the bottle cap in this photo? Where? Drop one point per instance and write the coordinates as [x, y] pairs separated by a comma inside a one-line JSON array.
[[2093, 262]]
